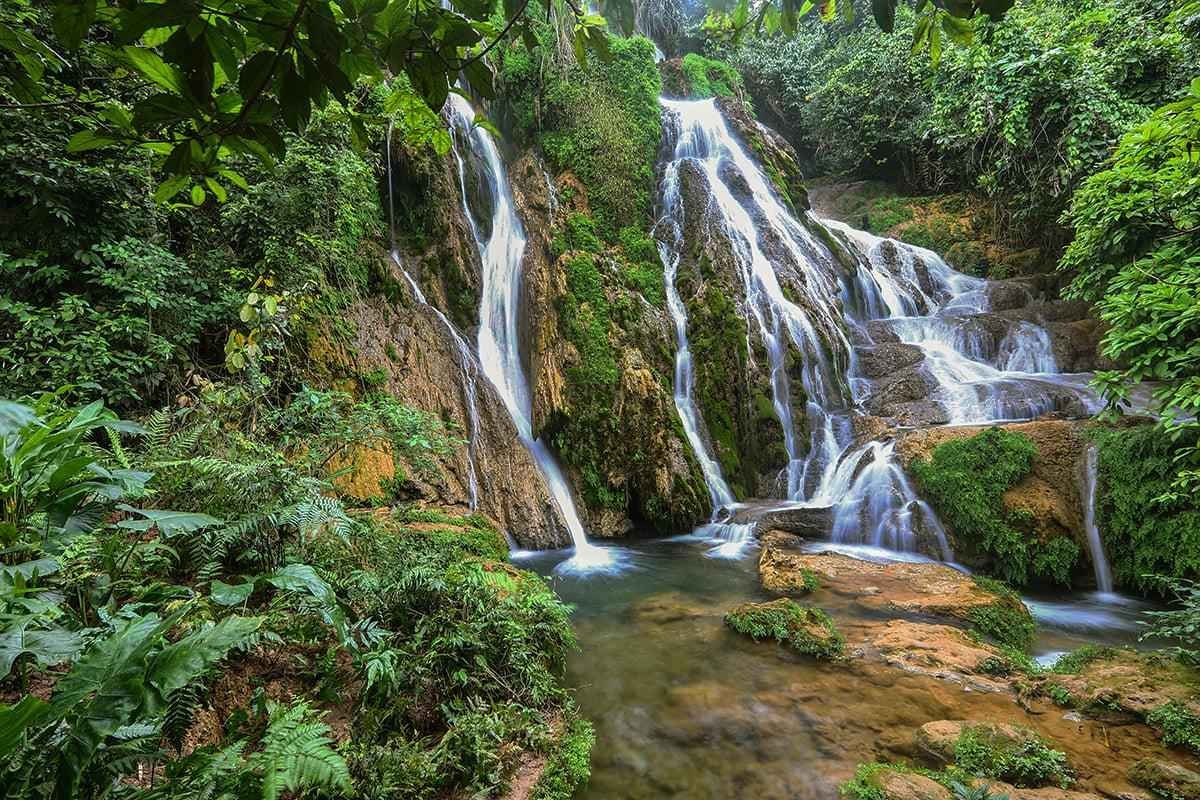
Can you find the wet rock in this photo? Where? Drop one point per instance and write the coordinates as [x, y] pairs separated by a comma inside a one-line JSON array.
[[912, 588], [887, 358], [813, 523], [904, 386], [937, 740], [1128, 682], [712, 711], [1166, 779], [901, 785], [939, 651], [772, 150], [1005, 295], [665, 608], [779, 568], [806, 630]]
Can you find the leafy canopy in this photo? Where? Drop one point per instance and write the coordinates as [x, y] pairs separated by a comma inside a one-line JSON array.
[[197, 84]]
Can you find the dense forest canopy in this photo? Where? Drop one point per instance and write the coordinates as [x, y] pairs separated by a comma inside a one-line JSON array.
[[240, 293]]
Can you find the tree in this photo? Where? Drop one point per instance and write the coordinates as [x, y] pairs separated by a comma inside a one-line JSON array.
[[196, 82]]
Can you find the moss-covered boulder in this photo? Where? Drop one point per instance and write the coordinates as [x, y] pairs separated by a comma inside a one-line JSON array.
[[801, 628], [1166, 779]]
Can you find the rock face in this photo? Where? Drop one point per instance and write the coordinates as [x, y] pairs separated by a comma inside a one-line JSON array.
[[420, 364], [621, 437], [1128, 682], [1050, 493], [939, 651]]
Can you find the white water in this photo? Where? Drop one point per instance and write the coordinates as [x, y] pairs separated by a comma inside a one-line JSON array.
[[499, 312], [467, 363], [1104, 581]]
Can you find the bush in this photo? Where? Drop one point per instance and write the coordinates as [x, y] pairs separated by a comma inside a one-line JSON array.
[[965, 479], [1028, 763], [1147, 528], [806, 630], [1179, 726], [708, 77]]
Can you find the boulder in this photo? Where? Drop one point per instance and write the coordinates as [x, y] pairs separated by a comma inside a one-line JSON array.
[[939, 651], [897, 784], [780, 568], [808, 631], [887, 358], [1166, 779]]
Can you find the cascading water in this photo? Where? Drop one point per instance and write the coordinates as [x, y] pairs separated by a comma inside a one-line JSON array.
[[466, 359], [499, 340], [703, 142], [979, 375], [1104, 580]]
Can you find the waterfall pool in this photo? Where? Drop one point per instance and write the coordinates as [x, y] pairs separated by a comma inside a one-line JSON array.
[[684, 708]]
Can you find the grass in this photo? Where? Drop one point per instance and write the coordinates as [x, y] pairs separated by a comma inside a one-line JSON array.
[[801, 628]]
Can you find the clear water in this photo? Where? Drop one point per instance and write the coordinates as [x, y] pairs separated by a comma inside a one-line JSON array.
[[683, 708]]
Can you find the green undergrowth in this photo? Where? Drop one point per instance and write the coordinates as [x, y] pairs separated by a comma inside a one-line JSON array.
[[965, 480], [205, 560], [1029, 762], [804, 629], [1179, 727], [1148, 528], [1006, 621], [709, 77]]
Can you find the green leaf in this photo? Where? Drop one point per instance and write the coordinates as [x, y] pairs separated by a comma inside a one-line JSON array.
[[48, 647], [87, 140], [225, 594], [198, 195], [15, 720], [178, 664], [302, 578], [170, 187], [153, 68], [885, 14], [72, 18], [169, 523]]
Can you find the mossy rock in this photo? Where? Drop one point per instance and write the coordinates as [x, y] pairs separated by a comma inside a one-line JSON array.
[[1006, 621], [801, 628], [994, 750]]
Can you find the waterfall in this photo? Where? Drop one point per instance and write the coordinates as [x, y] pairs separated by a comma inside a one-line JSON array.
[[1104, 581], [982, 366], [703, 142], [499, 337], [466, 359]]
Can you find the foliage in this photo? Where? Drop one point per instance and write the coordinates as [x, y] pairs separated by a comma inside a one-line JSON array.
[[569, 766], [1137, 256], [1075, 661], [710, 77], [1022, 114], [1179, 726], [195, 87], [600, 122], [804, 629], [1029, 762], [1147, 527], [1004, 624], [965, 480], [1181, 622]]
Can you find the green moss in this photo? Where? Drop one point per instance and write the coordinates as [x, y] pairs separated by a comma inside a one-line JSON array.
[[1073, 663], [1027, 763], [1055, 560], [806, 630], [709, 77], [1010, 661], [1148, 528], [569, 766], [1179, 726], [965, 480], [1005, 621], [375, 378]]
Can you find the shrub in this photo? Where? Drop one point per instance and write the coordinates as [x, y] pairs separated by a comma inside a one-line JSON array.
[[965, 480], [569, 764], [1146, 529], [708, 77], [1027, 763], [806, 630], [1179, 726]]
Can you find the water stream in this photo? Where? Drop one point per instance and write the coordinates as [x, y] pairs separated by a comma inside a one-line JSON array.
[[502, 250], [1104, 580]]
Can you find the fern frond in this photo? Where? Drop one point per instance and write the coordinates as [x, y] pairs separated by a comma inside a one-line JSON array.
[[297, 753]]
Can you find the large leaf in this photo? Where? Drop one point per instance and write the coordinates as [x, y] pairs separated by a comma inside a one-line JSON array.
[[169, 523], [302, 578], [154, 69], [48, 647], [15, 720], [885, 14], [72, 18], [230, 594], [178, 664]]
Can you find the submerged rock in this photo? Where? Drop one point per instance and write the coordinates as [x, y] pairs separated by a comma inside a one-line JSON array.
[[1166, 779], [804, 629]]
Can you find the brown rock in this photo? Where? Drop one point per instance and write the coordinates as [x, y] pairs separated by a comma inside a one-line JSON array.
[[939, 651], [661, 609], [360, 470], [1131, 682], [937, 740], [897, 785], [780, 566], [1166, 779]]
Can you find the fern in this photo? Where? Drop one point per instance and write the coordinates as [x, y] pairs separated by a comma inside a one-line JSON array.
[[181, 711], [297, 753]]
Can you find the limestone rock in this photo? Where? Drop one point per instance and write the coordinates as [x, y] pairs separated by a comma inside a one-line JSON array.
[[937, 740], [1166, 779], [899, 785], [940, 651]]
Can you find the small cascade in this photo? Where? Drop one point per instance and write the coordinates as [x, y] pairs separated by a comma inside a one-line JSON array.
[[1027, 348], [1104, 580], [466, 359], [502, 252]]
